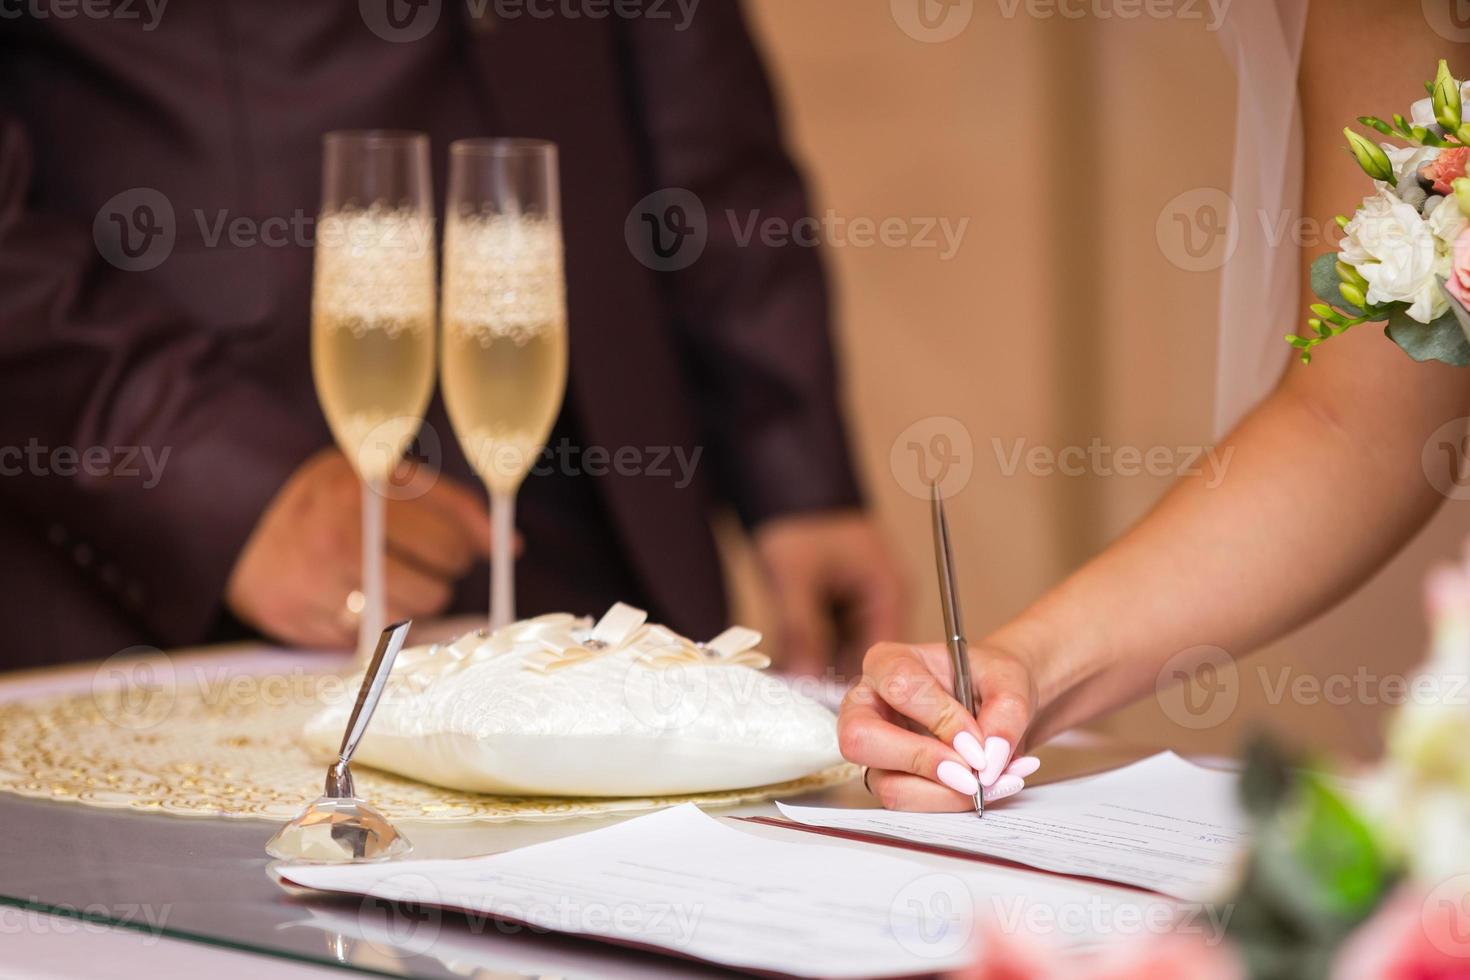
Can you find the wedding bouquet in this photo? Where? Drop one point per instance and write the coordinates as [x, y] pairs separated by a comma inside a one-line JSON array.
[[1405, 254], [1346, 880]]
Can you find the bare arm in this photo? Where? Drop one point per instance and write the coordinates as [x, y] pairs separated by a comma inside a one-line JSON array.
[[1324, 484]]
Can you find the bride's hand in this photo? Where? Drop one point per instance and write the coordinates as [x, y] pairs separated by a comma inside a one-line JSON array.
[[922, 749]]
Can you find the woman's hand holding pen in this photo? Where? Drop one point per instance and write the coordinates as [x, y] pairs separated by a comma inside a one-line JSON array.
[[923, 750]]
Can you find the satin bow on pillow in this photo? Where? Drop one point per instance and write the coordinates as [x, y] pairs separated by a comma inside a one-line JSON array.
[[554, 645]]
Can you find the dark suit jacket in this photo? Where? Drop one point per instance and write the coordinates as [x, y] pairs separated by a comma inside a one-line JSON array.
[[217, 108]]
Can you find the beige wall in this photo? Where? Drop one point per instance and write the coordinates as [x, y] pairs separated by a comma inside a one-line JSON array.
[[1060, 318]]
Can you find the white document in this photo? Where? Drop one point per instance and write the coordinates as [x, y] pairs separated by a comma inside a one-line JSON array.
[[686, 883], [1164, 824]]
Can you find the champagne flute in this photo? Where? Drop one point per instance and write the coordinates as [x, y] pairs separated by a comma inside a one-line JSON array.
[[372, 323], [504, 357]]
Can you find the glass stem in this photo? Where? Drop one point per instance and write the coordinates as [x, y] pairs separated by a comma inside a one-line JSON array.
[[374, 542], [502, 558]]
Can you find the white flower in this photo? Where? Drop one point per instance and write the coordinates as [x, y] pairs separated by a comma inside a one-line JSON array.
[[1421, 113], [1394, 249], [1406, 161], [1419, 798], [1445, 218]]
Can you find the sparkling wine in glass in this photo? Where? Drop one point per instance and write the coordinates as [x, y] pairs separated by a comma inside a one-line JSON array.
[[372, 321], [504, 352]]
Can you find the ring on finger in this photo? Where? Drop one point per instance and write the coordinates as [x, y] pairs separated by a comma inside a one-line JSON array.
[[352, 608]]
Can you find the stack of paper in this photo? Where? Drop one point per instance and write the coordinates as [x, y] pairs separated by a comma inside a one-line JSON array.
[[687, 884], [1164, 824]]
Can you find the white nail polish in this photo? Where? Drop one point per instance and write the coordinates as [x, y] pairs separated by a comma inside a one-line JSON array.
[[957, 778], [1023, 767], [1006, 785], [997, 754], [968, 746]]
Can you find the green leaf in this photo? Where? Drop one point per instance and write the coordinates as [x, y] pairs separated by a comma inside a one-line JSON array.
[[1315, 871], [1442, 340], [1339, 851], [1266, 780], [1421, 135], [1327, 282]]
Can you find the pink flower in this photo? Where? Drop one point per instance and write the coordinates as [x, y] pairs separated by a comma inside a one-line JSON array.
[[1446, 167], [1413, 936], [1007, 956], [1171, 956], [1457, 283]]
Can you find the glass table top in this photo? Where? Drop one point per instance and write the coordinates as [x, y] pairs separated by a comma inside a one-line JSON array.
[[208, 880]]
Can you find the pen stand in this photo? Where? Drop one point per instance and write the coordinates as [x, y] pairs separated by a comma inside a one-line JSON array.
[[339, 827]]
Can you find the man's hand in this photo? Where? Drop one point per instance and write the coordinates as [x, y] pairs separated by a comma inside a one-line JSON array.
[[837, 588], [292, 579]]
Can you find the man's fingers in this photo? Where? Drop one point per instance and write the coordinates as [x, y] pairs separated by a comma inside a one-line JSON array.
[[324, 632], [869, 739], [901, 676], [1006, 700], [412, 592], [902, 791], [879, 609], [871, 611], [466, 508], [312, 611], [431, 538], [805, 633]]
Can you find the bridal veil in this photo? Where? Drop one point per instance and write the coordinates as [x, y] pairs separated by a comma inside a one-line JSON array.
[[1260, 283]]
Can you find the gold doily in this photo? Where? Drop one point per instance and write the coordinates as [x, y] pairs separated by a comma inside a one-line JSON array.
[[229, 750]]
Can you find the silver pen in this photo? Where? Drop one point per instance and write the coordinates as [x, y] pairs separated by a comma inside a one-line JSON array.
[[954, 627]]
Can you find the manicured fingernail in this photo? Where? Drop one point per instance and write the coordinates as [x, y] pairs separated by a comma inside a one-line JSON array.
[[1006, 785], [958, 778], [1024, 766], [997, 754], [968, 746]]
